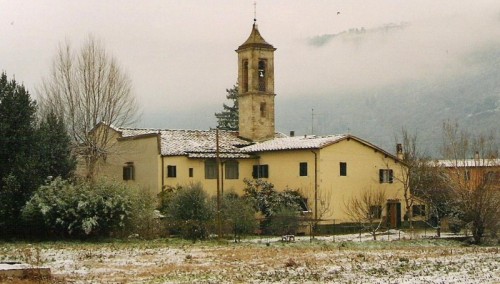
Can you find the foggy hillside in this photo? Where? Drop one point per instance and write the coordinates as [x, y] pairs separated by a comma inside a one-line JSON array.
[[378, 115]]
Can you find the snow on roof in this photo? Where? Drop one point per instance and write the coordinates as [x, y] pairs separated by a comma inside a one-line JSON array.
[[130, 132], [460, 163], [293, 143], [194, 143], [180, 142], [202, 143]]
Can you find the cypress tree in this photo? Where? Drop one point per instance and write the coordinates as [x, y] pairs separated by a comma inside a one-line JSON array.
[[54, 146], [228, 118], [18, 153]]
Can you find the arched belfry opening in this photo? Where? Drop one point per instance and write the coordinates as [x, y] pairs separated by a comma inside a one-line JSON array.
[[262, 75], [244, 83], [256, 92]]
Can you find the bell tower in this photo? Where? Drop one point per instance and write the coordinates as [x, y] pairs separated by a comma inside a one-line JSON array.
[[256, 87]]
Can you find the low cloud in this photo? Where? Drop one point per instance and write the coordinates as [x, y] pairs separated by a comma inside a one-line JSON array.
[[355, 33]]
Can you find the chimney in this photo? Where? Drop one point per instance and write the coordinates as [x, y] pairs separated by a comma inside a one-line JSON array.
[[292, 133], [399, 151]]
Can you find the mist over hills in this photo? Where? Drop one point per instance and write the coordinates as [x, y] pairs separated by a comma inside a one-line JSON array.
[[379, 114]]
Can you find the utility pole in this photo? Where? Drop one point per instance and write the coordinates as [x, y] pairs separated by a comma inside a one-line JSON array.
[[217, 163]]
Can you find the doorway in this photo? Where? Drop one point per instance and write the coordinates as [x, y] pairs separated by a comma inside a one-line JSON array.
[[393, 214]]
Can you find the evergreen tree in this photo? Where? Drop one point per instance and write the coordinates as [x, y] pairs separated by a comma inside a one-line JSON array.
[[56, 158], [18, 153], [227, 119]]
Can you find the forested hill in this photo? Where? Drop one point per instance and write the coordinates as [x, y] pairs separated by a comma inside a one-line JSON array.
[[378, 115]]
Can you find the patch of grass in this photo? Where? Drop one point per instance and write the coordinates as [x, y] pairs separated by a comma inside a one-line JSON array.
[[177, 260]]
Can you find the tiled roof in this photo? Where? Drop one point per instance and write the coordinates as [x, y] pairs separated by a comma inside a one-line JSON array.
[[255, 40], [468, 163], [180, 142], [293, 143], [202, 143], [194, 143]]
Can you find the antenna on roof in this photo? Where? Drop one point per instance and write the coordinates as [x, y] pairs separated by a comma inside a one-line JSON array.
[[312, 121]]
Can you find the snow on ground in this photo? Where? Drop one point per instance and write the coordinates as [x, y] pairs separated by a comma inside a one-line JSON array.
[[393, 258]]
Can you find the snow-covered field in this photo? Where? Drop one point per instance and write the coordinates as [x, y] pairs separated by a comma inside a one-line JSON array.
[[345, 259]]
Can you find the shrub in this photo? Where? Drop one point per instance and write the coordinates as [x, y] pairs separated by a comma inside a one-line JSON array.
[[238, 216], [279, 208], [455, 224], [87, 209], [284, 222], [189, 212], [165, 198]]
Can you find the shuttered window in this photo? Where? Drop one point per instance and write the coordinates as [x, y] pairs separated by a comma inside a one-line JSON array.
[[128, 171], [260, 171], [386, 176], [210, 169], [171, 171], [231, 170]]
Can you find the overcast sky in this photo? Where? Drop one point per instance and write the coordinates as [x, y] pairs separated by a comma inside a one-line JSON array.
[[180, 54]]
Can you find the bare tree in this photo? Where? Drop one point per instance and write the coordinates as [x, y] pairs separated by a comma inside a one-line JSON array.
[[472, 172], [408, 153], [416, 171], [428, 185], [324, 208], [366, 209], [87, 87]]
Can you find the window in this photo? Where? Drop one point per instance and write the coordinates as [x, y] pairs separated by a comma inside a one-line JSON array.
[[303, 205], [343, 169], [262, 75], [171, 171], [245, 75], [128, 171], [231, 170], [263, 111], [303, 169], [386, 176], [210, 169], [375, 212], [418, 210], [191, 172], [260, 171]]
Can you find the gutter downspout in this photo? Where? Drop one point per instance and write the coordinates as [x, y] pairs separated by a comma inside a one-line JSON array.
[[315, 184], [158, 143], [162, 173], [217, 166]]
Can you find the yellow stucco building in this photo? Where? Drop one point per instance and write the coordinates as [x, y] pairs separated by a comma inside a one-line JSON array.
[[327, 170]]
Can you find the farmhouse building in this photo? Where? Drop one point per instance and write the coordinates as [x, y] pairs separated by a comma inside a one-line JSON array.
[[472, 174], [327, 170]]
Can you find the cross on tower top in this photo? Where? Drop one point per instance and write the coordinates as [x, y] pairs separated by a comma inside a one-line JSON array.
[[254, 11]]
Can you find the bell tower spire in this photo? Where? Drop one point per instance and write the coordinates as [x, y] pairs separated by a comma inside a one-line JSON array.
[[256, 87]]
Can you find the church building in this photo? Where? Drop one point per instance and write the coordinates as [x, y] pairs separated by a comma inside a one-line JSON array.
[[327, 170]]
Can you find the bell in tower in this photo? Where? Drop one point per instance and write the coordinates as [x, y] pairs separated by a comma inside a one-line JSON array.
[[256, 94]]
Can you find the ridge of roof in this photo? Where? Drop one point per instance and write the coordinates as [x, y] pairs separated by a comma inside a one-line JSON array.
[[294, 143]]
